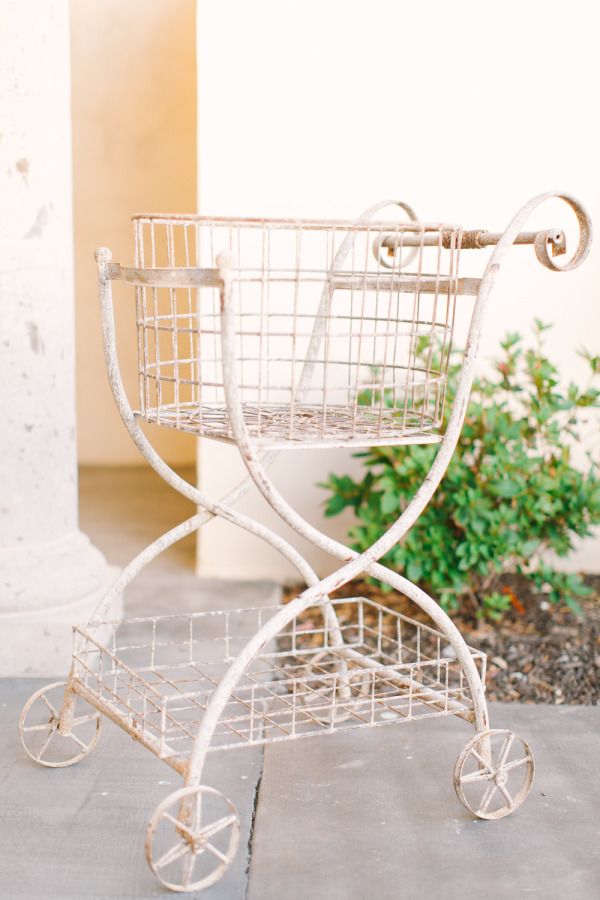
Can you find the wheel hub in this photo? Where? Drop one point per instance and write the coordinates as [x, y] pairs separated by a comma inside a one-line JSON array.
[[501, 777], [198, 844]]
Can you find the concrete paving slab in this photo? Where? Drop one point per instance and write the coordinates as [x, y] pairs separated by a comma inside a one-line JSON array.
[[368, 815], [372, 815], [77, 833]]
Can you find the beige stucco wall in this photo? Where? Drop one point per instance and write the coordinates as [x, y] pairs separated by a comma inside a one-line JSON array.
[[134, 149], [465, 110]]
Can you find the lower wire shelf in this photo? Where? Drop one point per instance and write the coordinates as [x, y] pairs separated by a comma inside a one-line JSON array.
[[155, 677]]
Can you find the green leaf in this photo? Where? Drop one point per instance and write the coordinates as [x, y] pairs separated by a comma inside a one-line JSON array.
[[335, 505], [414, 570], [507, 488], [389, 503], [511, 492]]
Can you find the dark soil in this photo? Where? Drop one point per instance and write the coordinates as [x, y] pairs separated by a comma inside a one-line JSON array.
[[539, 652]]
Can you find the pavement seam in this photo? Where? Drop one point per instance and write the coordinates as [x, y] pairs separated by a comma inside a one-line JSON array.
[[252, 824]]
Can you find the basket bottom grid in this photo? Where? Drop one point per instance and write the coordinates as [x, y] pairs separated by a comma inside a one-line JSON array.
[[390, 669], [280, 425]]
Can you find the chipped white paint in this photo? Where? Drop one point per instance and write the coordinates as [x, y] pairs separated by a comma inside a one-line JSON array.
[[299, 670], [304, 160], [51, 574]]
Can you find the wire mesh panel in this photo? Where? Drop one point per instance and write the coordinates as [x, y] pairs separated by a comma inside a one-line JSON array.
[[339, 339], [157, 676]]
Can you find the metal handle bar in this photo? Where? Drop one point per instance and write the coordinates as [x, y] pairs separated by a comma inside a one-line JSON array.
[[190, 277], [477, 239]]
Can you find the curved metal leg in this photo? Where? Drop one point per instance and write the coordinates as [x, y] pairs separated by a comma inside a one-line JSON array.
[[193, 524], [211, 509], [355, 564], [183, 487]]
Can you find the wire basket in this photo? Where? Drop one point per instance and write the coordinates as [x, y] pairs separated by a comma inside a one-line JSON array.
[[282, 333], [156, 676], [340, 338]]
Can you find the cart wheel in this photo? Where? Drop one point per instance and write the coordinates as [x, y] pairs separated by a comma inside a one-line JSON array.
[[319, 693], [192, 838], [495, 789], [39, 728]]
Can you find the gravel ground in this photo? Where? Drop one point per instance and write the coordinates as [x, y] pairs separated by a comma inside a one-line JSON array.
[[538, 653]]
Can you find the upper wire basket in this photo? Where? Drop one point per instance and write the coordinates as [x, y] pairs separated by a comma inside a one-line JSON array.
[[340, 338]]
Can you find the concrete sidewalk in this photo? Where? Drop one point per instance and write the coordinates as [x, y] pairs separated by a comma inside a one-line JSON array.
[[372, 815], [364, 815], [78, 833]]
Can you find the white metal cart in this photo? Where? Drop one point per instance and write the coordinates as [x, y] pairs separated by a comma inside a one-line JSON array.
[[285, 335]]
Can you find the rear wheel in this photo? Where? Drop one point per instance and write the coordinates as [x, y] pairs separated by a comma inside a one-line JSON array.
[[45, 740], [494, 773]]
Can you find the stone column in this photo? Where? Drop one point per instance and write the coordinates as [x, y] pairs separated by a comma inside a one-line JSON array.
[[51, 576]]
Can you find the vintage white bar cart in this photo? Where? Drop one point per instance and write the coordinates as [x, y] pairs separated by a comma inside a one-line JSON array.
[[284, 335]]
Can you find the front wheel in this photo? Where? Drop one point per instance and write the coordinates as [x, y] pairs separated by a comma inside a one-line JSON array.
[[192, 838], [494, 773]]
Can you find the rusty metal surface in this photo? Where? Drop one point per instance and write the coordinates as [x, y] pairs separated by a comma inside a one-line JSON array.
[[156, 677], [267, 679]]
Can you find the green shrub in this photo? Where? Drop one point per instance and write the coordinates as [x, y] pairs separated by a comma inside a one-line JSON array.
[[510, 493]]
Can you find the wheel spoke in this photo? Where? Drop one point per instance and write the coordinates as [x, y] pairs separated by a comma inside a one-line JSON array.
[[36, 727], [79, 720], [45, 745], [188, 869], [481, 760], [487, 797], [507, 796], [77, 740], [505, 750], [50, 707], [174, 853], [480, 775], [181, 826], [217, 826], [515, 763], [216, 852]]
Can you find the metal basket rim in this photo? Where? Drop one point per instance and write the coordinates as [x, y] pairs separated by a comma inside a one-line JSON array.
[[308, 223]]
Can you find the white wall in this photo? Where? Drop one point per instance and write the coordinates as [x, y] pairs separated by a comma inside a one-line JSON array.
[[134, 150], [463, 109]]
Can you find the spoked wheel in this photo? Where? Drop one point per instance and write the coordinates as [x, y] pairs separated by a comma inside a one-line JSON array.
[[326, 697], [494, 784], [192, 838], [39, 727]]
